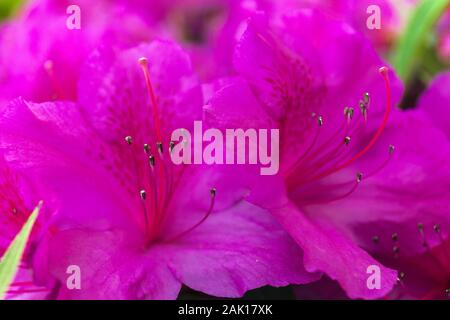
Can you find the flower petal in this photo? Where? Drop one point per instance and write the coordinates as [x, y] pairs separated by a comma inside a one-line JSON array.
[[326, 249], [116, 101], [435, 102], [51, 145], [214, 258], [106, 260]]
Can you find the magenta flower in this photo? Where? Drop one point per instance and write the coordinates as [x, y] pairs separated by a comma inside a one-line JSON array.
[[40, 58], [417, 242], [137, 225], [401, 214], [357, 13], [318, 81], [411, 231]]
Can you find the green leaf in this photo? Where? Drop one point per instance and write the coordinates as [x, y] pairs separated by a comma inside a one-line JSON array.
[[413, 42], [11, 259]]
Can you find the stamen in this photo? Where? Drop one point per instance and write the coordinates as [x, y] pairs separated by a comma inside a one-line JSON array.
[[349, 112], [401, 276], [212, 192], [384, 74], [144, 64], [151, 160], [363, 108], [143, 195], [162, 171], [347, 140], [146, 148], [320, 120], [140, 183], [394, 237], [129, 140], [359, 177], [367, 97], [159, 146], [376, 239]]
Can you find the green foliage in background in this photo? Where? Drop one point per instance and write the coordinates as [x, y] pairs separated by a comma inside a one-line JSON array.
[[413, 45], [8, 7], [11, 259]]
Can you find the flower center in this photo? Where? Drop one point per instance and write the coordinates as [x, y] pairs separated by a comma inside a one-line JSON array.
[[158, 180], [321, 160]]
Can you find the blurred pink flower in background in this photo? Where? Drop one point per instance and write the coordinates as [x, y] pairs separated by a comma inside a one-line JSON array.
[[41, 58], [355, 13]]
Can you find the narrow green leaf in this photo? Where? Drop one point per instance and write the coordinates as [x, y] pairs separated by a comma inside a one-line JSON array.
[[11, 259], [413, 41]]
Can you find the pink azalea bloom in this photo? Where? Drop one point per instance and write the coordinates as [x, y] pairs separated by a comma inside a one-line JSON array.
[[355, 13], [411, 233], [40, 58], [401, 215], [138, 226], [347, 155], [443, 32], [419, 245]]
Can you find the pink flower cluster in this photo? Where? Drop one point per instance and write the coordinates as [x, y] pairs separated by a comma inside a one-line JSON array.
[[86, 116]]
